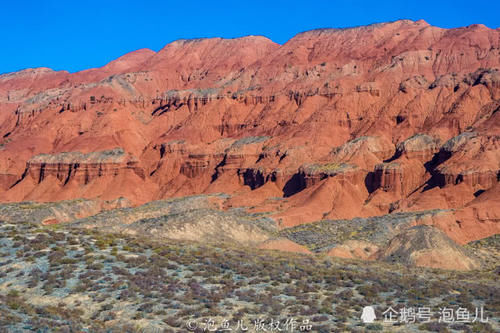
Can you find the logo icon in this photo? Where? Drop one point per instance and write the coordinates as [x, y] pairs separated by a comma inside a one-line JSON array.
[[368, 316]]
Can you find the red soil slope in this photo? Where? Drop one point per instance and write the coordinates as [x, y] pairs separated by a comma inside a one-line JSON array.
[[336, 123]]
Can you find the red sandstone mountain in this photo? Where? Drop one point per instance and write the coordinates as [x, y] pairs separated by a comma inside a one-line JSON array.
[[335, 123]]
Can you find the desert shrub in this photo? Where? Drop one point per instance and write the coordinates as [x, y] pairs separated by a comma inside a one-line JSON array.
[[146, 307], [138, 316], [173, 321], [95, 266], [346, 294], [434, 327], [57, 236], [374, 327]]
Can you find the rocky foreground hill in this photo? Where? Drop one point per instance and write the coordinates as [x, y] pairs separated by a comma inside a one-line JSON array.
[[58, 278], [396, 123]]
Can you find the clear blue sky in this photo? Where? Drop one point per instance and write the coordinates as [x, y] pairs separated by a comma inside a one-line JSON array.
[[75, 35]]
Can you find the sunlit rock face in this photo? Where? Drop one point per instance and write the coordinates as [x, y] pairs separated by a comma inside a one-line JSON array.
[[336, 123]]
